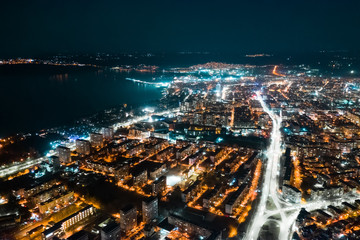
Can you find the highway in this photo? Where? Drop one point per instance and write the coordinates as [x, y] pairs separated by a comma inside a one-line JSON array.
[[271, 206], [269, 187], [14, 168], [276, 73], [158, 84], [19, 166], [142, 118]]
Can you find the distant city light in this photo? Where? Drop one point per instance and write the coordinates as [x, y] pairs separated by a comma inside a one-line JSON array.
[[149, 110]]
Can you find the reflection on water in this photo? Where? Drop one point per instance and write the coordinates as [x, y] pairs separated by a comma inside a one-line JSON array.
[[60, 77]]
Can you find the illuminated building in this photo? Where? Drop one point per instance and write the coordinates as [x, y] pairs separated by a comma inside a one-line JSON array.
[[150, 209], [191, 191], [83, 146], [139, 176], [47, 194], [121, 170], [67, 222], [154, 169], [64, 154], [193, 226], [108, 133], [96, 139], [33, 188], [164, 154], [326, 192], [50, 205], [180, 154], [208, 196], [235, 199], [128, 216], [158, 186]]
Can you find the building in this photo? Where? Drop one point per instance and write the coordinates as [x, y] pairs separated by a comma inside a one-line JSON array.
[[47, 194], [64, 154], [192, 228], [318, 193], [128, 218], [110, 232], [67, 222], [208, 196], [96, 139], [150, 209], [154, 169], [55, 163], [108, 133], [53, 203], [121, 170], [291, 194], [33, 188], [189, 193], [158, 186], [139, 176], [83, 146], [235, 199]]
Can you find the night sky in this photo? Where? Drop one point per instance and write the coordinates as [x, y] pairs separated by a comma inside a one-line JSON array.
[[51, 26]]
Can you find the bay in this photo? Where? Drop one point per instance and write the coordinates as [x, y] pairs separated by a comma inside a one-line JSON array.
[[39, 97]]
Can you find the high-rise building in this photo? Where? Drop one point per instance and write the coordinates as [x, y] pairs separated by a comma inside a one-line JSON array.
[[96, 139], [128, 216], [83, 146], [150, 209], [159, 185], [55, 161], [64, 154], [108, 133]]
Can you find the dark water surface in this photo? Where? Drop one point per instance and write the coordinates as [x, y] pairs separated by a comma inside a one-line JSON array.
[[38, 97]]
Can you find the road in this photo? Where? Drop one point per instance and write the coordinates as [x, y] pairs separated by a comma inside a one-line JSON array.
[[14, 168], [276, 73], [19, 166], [269, 187], [271, 207], [142, 118]]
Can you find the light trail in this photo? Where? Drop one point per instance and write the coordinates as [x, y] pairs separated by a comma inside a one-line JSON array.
[[159, 84], [14, 168], [270, 182], [326, 83], [142, 118], [288, 212], [276, 73]]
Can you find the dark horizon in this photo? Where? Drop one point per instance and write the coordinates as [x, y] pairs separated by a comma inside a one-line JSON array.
[[179, 53], [43, 28]]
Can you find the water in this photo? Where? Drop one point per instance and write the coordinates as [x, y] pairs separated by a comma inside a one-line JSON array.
[[38, 97]]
